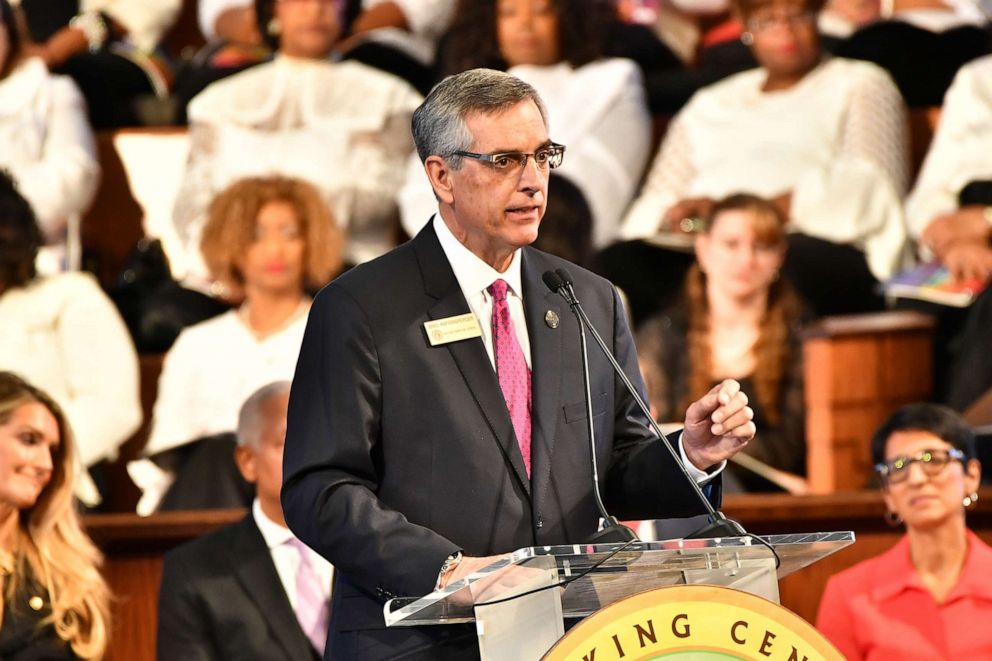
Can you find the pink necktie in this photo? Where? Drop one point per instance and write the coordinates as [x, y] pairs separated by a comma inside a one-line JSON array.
[[511, 369], [312, 609]]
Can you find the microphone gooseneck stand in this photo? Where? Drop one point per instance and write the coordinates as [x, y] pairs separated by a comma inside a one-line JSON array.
[[560, 282]]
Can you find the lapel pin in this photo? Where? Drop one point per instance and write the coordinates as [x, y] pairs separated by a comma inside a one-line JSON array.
[[551, 319]]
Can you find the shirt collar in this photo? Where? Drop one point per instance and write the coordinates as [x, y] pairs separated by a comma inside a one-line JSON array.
[[473, 274], [897, 573], [273, 533]]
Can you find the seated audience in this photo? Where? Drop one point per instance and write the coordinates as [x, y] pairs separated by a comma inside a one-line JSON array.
[[837, 174], [271, 242], [64, 334], [234, 43], [53, 602], [737, 319], [47, 143], [250, 590], [344, 127], [928, 597], [108, 47], [922, 44], [949, 212], [400, 37], [595, 105]]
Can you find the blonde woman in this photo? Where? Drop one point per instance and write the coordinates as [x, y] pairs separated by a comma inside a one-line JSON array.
[[272, 243], [55, 603]]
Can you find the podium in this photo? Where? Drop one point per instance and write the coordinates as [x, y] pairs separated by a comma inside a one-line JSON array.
[[520, 601]]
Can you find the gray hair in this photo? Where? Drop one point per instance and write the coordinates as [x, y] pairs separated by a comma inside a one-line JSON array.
[[439, 127], [251, 416]]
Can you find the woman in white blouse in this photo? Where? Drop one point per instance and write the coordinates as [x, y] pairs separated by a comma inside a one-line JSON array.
[[823, 138], [344, 127], [596, 106], [950, 213], [272, 242], [47, 144], [64, 335]]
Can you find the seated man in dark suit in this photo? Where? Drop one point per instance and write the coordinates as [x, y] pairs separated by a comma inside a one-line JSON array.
[[250, 590]]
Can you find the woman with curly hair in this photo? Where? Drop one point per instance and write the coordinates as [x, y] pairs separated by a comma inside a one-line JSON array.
[[737, 319], [55, 603], [272, 242], [596, 105]]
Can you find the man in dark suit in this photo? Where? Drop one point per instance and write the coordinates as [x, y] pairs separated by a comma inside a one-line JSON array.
[[437, 416], [236, 593]]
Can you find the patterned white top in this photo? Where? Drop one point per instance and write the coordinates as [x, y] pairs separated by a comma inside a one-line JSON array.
[[837, 140], [344, 127]]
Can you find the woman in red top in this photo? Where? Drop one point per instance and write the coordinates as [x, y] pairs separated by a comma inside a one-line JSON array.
[[930, 596]]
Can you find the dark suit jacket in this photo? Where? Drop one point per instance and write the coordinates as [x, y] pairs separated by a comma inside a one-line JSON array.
[[399, 453], [221, 598]]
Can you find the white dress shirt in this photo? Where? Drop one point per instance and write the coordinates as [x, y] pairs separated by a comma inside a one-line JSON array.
[[474, 276], [286, 558]]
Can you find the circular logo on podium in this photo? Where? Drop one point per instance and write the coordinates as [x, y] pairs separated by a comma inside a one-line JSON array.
[[693, 623]]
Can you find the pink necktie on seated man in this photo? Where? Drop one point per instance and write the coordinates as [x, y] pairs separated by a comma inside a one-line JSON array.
[[511, 369], [312, 610]]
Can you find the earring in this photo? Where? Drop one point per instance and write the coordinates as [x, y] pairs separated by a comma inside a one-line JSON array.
[[747, 38], [273, 27], [968, 501], [892, 518]]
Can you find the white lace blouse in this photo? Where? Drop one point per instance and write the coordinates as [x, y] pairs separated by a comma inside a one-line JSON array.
[[344, 127], [837, 141]]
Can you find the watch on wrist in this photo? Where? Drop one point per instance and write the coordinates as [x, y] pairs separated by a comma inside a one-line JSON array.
[[450, 563]]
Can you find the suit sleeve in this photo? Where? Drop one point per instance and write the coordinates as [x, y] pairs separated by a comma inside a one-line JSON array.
[[644, 480], [183, 631], [331, 463]]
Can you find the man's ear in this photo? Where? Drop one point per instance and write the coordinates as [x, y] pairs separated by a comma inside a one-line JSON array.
[[440, 175], [244, 457]]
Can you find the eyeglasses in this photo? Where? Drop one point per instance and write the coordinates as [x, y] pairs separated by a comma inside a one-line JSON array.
[[547, 157], [932, 462], [765, 22]]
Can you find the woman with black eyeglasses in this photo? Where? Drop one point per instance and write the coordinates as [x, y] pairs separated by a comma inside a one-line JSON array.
[[930, 596]]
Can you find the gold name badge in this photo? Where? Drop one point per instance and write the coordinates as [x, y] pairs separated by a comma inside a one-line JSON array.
[[452, 329]]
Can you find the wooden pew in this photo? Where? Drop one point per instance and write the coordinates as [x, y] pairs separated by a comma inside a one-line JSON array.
[[858, 369], [134, 547]]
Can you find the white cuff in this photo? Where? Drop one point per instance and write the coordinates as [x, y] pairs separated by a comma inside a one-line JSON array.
[[700, 476]]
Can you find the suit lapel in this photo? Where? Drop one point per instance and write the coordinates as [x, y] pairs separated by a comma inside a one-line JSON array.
[[257, 574], [546, 367], [470, 355]]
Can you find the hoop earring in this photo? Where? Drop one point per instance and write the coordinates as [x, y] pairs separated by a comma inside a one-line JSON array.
[[747, 38], [273, 27], [892, 518], [968, 501]]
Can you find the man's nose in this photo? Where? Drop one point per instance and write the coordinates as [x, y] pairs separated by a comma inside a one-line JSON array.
[[532, 177]]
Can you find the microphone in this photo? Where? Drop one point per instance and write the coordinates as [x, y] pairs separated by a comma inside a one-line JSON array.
[[560, 282], [612, 530]]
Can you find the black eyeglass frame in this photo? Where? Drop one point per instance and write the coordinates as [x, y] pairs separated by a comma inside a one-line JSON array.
[[555, 155], [900, 465]]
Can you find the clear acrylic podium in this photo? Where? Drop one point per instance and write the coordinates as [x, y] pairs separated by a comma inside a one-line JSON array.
[[518, 602]]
